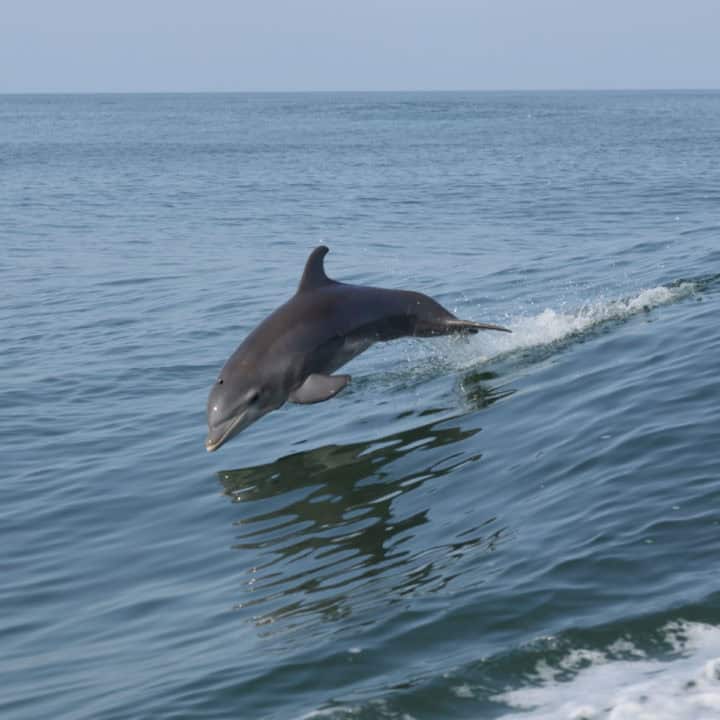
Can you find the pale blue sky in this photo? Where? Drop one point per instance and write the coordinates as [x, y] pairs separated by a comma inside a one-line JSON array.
[[177, 45]]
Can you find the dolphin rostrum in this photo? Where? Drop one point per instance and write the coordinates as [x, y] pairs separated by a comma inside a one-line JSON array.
[[292, 354]]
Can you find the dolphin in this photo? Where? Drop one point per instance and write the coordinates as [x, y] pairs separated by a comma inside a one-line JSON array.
[[293, 353]]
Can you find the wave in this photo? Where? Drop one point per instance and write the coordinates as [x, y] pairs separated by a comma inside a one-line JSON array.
[[621, 682], [533, 339]]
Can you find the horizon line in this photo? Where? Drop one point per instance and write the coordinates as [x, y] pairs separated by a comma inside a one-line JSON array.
[[361, 91]]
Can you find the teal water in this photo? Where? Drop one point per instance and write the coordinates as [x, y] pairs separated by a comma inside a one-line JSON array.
[[522, 525]]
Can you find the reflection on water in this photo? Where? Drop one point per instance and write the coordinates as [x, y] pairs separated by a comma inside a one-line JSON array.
[[333, 532], [480, 395]]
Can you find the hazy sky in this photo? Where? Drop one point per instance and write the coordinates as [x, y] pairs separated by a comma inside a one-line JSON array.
[[175, 45]]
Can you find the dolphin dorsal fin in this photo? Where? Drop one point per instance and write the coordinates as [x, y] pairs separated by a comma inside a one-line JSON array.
[[314, 276]]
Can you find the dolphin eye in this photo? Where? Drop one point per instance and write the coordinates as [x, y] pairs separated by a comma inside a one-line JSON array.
[[253, 397], [220, 381]]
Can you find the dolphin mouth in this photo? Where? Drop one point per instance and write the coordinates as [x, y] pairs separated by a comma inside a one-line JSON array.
[[215, 440]]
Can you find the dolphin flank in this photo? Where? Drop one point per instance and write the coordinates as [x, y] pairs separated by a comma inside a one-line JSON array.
[[292, 354]]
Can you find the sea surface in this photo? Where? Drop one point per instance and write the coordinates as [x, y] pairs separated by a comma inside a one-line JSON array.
[[510, 526]]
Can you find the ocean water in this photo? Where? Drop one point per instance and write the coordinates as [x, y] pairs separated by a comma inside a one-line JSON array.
[[512, 526]]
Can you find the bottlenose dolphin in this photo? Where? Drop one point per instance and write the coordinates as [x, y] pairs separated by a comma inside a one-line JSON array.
[[292, 354]]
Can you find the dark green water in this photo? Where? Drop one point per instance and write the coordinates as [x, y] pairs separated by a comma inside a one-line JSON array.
[[523, 525]]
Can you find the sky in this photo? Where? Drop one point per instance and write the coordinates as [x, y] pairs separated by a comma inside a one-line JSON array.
[[297, 45]]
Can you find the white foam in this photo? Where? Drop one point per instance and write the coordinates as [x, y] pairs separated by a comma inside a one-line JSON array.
[[550, 325], [622, 683]]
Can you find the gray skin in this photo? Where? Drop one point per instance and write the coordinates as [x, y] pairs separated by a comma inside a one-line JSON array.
[[292, 354]]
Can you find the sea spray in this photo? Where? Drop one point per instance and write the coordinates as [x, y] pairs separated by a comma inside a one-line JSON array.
[[553, 327]]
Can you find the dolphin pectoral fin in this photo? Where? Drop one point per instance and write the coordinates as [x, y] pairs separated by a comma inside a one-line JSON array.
[[318, 388]]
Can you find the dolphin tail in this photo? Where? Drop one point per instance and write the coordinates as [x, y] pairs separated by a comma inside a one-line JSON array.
[[470, 327]]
